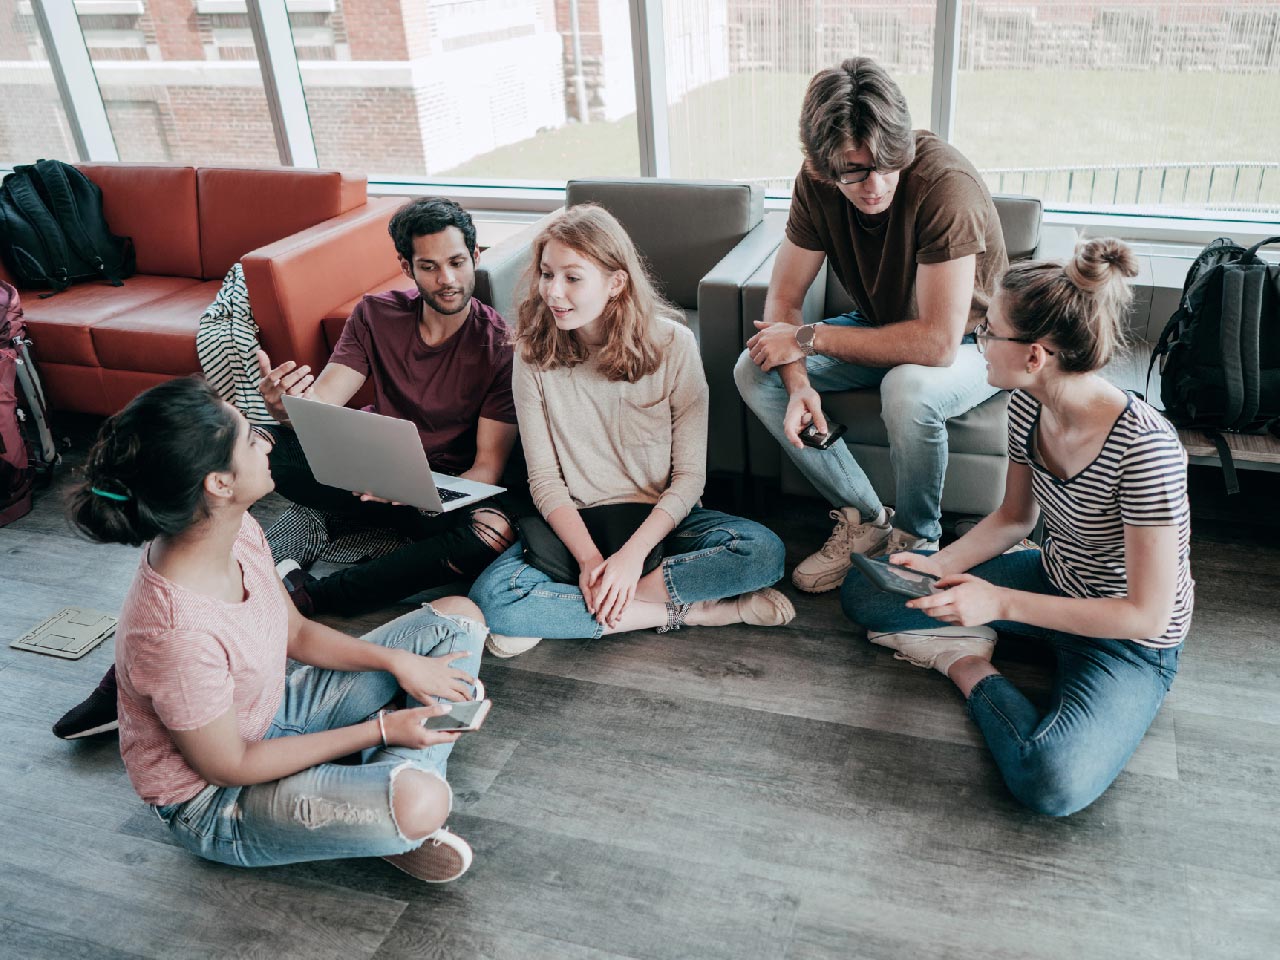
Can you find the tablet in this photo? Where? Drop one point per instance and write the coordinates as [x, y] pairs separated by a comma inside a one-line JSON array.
[[895, 579]]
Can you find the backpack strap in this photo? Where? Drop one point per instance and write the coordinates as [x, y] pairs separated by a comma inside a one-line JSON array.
[[1230, 329], [54, 177], [44, 225], [1250, 284], [1229, 475], [1252, 252]]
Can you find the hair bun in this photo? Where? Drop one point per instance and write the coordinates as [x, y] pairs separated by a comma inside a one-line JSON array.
[[1097, 263]]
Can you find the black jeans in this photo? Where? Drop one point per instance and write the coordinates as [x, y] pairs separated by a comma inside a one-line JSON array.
[[451, 546]]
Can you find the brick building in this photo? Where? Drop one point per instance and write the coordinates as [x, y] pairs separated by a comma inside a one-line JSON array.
[[392, 86]]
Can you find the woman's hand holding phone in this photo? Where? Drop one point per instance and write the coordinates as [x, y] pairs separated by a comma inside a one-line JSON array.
[[404, 727]]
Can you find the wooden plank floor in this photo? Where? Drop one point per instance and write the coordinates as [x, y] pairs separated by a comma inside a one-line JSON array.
[[735, 793]]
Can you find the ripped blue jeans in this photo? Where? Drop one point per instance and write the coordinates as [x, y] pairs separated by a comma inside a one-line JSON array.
[[329, 811], [708, 556]]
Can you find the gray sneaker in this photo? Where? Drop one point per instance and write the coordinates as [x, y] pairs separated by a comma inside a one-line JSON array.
[[900, 541], [938, 647], [825, 570]]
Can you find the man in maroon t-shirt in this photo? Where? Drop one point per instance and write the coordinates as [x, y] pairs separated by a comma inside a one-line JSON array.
[[438, 358]]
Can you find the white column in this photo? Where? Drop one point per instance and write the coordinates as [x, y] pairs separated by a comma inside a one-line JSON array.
[[649, 59], [278, 60], [73, 73], [946, 65]]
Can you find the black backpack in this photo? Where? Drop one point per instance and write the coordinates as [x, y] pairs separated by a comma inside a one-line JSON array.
[[1221, 348], [52, 232]]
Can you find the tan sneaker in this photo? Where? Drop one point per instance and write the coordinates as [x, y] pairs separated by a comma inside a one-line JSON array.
[[443, 856], [902, 542], [505, 647], [825, 570], [938, 647], [766, 608]]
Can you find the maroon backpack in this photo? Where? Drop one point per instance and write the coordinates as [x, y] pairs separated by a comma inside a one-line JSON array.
[[17, 475]]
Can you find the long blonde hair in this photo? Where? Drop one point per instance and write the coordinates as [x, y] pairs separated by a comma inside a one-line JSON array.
[[630, 351]]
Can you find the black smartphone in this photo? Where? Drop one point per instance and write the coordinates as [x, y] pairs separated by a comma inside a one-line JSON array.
[[895, 579], [462, 717], [811, 436]]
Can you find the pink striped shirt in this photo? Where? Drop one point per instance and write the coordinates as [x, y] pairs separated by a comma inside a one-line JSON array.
[[183, 659]]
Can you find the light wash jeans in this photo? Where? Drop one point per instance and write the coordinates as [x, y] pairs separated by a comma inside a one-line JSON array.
[[915, 403], [329, 811], [708, 556], [1105, 693]]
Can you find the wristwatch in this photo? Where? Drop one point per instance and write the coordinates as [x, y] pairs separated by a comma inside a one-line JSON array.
[[805, 336]]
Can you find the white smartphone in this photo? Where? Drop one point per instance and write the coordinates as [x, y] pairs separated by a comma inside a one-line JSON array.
[[461, 718]]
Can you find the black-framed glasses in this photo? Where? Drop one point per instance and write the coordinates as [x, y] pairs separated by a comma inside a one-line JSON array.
[[983, 332], [857, 175]]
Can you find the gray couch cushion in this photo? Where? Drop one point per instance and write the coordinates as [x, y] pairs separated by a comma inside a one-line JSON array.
[[1020, 224], [682, 227]]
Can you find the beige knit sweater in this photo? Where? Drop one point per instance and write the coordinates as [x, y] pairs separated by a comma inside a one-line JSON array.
[[590, 441]]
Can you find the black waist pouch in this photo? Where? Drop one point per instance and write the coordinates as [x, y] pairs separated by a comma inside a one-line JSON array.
[[610, 527]]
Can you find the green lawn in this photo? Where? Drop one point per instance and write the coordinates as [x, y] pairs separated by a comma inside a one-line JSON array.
[[745, 127]]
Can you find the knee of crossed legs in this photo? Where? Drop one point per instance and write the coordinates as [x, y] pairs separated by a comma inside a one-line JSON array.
[[420, 802]]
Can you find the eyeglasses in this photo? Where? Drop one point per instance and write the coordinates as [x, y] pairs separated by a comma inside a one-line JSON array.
[[858, 174], [982, 332]]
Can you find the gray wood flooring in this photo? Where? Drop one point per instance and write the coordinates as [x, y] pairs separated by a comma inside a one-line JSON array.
[[736, 793]]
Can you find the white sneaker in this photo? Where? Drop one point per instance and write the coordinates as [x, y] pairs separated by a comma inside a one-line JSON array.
[[902, 542], [443, 856], [505, 647], [825, 570], [938, 647]]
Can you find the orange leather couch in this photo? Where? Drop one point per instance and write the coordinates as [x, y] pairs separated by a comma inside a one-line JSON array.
[[310, 241]]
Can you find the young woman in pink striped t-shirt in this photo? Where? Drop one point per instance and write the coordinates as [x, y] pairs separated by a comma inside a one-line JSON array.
[[234, 755]]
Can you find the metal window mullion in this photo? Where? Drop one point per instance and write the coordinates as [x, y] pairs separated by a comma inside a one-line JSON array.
[[649, 59], [946, 66], [75, 79], [282, 80]]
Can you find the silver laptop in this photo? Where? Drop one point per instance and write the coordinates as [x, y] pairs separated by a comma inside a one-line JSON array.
[[369, 453]]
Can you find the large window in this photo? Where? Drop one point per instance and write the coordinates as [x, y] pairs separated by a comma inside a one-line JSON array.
[[179, 80], [1167, 107], [495, 90], [33, 123], [737, 71]]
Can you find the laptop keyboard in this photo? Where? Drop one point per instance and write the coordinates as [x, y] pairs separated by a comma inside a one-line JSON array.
[[446, 494]]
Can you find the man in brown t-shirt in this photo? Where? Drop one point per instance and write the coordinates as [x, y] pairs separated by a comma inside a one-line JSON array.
[[439, 358], [911, 232]]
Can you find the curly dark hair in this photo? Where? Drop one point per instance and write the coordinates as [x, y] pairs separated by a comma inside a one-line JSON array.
[[425, 216]]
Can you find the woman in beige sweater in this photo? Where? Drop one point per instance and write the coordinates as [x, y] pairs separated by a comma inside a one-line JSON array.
[[612, 404]]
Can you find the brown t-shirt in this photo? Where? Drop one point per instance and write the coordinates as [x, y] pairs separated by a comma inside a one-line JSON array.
[[443, 389], [941, 211]]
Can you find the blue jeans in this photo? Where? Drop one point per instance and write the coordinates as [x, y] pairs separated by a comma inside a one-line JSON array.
[[329, 811], [915, 403], [709, 555], [1105, 694]]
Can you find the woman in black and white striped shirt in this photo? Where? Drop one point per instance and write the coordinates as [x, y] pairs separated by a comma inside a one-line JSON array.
[[1110, 590]]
